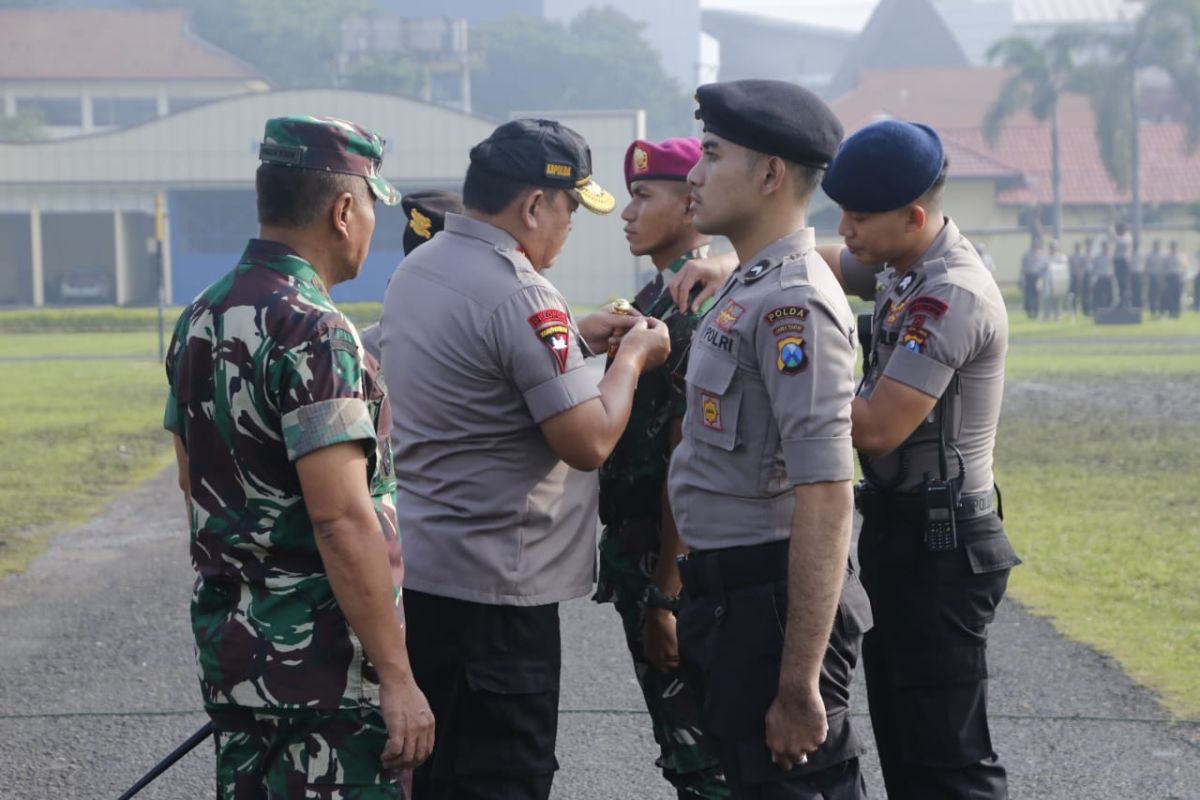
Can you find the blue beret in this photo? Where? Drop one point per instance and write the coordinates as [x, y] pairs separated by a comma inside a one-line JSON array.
[[773, 117], [884, 166]]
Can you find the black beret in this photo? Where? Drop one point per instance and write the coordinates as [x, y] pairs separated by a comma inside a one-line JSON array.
[[884, 166], [773, 117], [425, 214]]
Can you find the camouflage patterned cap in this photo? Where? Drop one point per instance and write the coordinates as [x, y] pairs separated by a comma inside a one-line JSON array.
[[333, 145]]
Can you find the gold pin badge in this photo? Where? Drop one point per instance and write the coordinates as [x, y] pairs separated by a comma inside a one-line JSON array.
[[624, 308]]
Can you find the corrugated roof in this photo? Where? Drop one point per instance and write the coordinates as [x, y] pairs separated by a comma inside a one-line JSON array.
[[110, 44], [1052, 12]]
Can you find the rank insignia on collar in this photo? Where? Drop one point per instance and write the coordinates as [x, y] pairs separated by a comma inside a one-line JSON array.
[[905, 282], [792, 358], [729, 315], [757, 270], [552, 327], [710, 411]]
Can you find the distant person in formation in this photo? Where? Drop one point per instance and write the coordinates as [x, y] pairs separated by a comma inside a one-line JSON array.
[[1033, 267], [424, 215], [1103, 291], [1172, 269], [985, 255], [497, 422], [1077, 298], [1055, 282], [1121, 241], [1153, 271], [638, 548], [281, 435]]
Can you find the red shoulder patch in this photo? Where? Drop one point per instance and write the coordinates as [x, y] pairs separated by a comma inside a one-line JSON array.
[[552, 327]]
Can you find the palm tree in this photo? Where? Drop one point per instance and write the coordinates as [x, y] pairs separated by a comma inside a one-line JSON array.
[[1165, 37], [1039, 74]]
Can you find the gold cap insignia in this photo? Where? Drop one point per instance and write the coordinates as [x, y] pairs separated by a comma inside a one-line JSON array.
[[641, 160], [421, 225]]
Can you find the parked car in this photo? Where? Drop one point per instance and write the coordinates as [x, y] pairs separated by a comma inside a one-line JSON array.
[[86, 283]]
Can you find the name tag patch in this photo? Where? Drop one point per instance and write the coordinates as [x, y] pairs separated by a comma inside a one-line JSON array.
[[553, 328], [718, 340]]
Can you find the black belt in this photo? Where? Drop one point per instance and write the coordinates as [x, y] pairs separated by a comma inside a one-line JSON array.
[[970, 506], [708, 571]]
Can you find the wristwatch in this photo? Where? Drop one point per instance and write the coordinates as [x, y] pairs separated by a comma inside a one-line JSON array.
[[653, 597]]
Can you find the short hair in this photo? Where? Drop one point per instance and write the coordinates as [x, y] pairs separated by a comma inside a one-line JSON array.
[[806, 179], [289, 197], [933, 195], [490, 193]]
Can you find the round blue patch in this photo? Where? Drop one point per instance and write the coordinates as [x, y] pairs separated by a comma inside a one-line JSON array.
[[792, 356]]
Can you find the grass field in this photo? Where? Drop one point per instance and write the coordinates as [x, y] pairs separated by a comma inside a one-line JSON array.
[[1098, 457], [1099, 460]]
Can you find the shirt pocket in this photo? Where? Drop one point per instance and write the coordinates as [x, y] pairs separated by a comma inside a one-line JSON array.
[[718, 400]]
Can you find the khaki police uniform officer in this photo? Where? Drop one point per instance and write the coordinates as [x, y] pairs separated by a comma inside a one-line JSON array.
[[484, 357], [940, 328], [769, 385]]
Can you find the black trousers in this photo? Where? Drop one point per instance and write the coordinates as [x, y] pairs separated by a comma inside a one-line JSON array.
[[925, 659], [731, 645], [491, 675], [1031, 296]]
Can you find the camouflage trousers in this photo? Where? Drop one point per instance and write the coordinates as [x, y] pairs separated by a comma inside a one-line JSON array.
[[627, 557], [315, 755]]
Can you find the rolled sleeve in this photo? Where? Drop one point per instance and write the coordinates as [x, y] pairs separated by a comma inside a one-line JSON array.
[[561, 394], [326, 423], [919, 371], [819, 460]]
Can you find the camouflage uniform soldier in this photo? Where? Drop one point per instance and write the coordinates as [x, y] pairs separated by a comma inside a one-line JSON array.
[[639, 544], [281, 432]]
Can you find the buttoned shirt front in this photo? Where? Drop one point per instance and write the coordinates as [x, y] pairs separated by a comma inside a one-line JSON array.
[[479, 350], [769, 384]]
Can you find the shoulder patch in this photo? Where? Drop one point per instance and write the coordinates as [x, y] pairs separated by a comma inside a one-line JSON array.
[[792, 356], [786, 312], [927, 306], [552, 327]]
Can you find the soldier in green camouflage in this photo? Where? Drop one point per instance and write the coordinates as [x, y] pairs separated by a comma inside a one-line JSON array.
[[281, 428], [639, 544]]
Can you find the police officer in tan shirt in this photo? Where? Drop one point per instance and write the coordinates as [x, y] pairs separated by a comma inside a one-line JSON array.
[[934, 555], [771, 619], [496, 424]]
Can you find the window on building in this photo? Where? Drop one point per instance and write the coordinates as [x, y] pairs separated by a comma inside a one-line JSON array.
[[57, 111], [121, 112], [177, 104]]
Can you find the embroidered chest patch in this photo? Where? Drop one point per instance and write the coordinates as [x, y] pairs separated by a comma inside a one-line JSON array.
[[553, 328], [710, 411], [728, 316]]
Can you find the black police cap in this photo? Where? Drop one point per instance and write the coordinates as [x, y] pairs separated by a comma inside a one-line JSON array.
[[425, 214], [542, 152], [773, 117]]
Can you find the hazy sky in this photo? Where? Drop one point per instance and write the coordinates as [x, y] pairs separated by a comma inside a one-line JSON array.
[[850, 14]]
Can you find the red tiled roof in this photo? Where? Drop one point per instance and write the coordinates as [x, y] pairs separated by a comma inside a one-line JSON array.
[[939, 97], [1169, 174], [109, 44], [955, 101]]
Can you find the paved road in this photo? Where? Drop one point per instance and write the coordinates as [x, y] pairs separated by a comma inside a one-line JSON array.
[[99, 624]]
